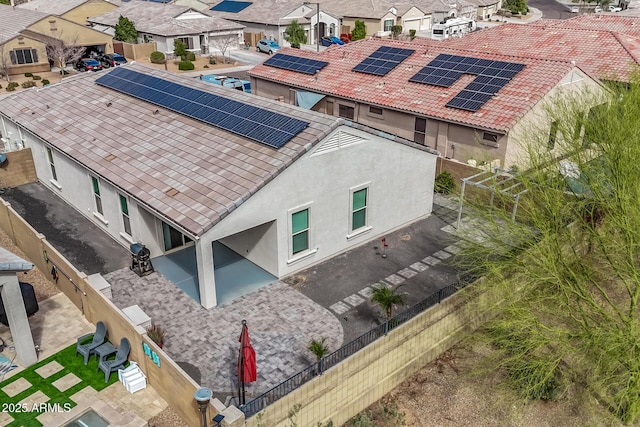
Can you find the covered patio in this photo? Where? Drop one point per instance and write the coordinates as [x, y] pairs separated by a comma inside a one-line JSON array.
[[234, 275]]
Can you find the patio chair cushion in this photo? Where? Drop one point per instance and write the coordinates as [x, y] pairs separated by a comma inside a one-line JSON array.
[[111, 365], [87, 349]]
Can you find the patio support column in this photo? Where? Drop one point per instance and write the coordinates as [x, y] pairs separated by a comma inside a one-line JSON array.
[[206, 277], [17, 319]]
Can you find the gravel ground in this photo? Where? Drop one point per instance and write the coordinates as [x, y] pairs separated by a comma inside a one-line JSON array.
[[167, 418]]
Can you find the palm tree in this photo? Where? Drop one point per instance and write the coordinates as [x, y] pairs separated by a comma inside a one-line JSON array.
[[387, 299], [318, 347]]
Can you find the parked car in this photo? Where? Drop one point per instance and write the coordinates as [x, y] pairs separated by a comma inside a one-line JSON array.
[[88, 64], [597, 9], [112, 60], [575, 9], [267, 46], [613, 8], [336, 40]]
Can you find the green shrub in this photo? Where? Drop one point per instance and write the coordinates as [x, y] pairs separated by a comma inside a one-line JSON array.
[[205, 66], [444, 183], [45, 82], [13, 84], [157, 57], [10, 88], [191, 56], [28, 84], [36, 77], [412, 34], [212, 60], [186, 66], [28, 74]]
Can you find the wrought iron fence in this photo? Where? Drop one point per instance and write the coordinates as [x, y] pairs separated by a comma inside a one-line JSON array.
[[332, 359]]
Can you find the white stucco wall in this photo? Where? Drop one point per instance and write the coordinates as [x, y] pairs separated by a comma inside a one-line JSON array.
[[399, 178]]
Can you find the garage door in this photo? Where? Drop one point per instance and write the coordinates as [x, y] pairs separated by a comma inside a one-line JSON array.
[[413, 24]]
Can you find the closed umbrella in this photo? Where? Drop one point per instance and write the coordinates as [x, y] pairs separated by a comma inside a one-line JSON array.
[[247, 370]]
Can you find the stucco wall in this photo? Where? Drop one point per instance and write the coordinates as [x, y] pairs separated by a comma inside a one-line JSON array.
[[399, 178], [88, 9], [22, 42], [72, 33], [372, 25]]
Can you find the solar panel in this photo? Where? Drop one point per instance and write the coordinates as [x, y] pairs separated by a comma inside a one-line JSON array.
[[383, 60], [231, 6], [445, 70], [261, 125], [295, 63]]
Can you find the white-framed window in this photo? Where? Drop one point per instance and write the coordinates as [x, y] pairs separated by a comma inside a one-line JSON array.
[[173, 238], [359, 206], [187, 41], [490, 139], [23, 56], [52, 164], [96, 194], [124, 210], [388, 23], [300, 229]]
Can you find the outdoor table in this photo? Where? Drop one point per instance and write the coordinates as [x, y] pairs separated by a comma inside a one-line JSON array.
[[105, 350]]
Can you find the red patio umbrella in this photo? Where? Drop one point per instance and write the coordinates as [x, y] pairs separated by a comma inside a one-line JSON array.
[[247, 370]]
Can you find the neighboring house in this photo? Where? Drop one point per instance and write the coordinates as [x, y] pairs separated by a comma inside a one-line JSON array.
[[607, 55], [24, 35], [164, 23], [182, 187], [73, 10], [486, 8], [490, 127], [617, 22]]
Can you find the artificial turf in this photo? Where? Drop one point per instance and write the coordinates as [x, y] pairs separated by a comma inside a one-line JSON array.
[[71, 363]]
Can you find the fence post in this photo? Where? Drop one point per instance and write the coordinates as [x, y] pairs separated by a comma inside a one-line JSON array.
[[320, 366], [439, 296], [386, 327]]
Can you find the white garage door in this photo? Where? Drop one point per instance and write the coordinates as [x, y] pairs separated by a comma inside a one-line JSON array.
[[413, 24]]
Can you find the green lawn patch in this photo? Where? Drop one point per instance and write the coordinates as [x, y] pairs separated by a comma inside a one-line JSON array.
[[89, 375]]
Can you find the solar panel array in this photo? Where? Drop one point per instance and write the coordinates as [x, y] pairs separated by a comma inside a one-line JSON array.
[[231, 6], [383, 60], [446, 69], [295, 63], [258, 124]]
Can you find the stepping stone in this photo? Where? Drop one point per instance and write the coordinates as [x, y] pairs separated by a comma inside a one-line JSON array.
[[49, 369], [339, 307], [354, 300], [454, 249], [66, 382], [394, 279], [366, 292], [36, 398], [16, 387], [407, 273], [418, 266], [431, 261], [5, 419], [442, 255]]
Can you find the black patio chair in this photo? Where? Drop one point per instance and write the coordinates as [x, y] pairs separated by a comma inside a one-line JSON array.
[[87, 349], [111, 365]]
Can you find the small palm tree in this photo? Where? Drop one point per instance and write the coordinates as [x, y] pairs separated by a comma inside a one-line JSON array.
[[387, 299], [318, 347]]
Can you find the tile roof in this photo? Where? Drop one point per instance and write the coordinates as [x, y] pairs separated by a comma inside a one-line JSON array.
[[263, 12], [395, 91], [14, 20], [629, 25], [605, 54], [160, 19], [58, 7], [147, 154]]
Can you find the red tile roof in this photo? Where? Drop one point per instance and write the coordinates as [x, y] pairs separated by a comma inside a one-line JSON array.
[[604, 54], [395, 91], [629, 25]]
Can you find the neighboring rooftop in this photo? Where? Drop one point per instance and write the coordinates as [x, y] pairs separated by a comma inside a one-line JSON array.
[[165, 19], [263, 12], [13, 20], [185, 170], [12, 262], [628, 25], [58, 7], [394, 90], [604, 53]]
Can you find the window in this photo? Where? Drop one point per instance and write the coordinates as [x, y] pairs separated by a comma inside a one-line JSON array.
[[52, 164], [96, 195], [490, 139], [375, 111], [388, 23], [124, 209], [553, 135], [346, 111], [300, 231], [23, 56], [359, 209], [420, 131], [172, 237], [186, 40]]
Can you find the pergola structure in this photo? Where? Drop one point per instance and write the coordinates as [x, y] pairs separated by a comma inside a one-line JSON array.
[[488, 180]]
